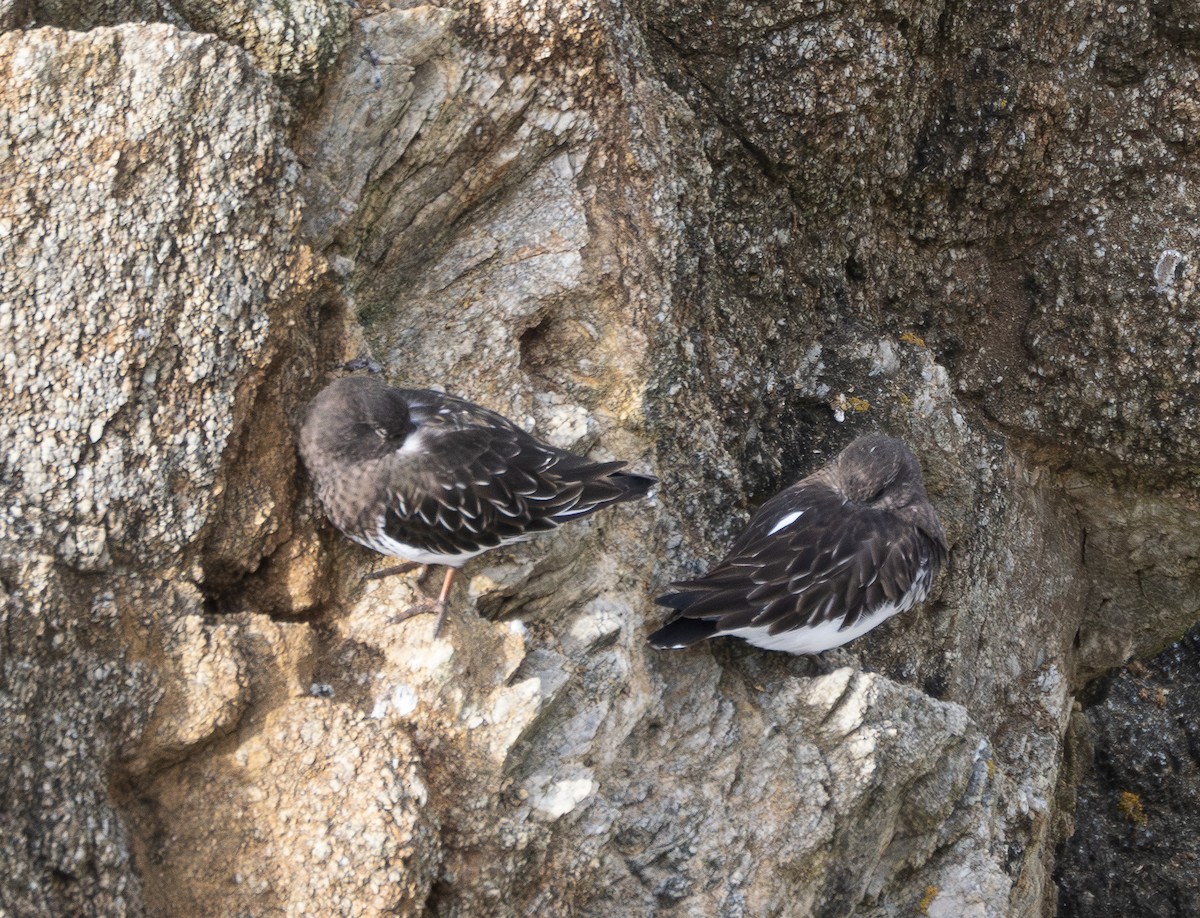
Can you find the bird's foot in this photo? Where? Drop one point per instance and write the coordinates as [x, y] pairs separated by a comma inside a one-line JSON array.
[[426, 606], [360, 363], [441, 605], [818, 665], [827, 661], [394, 569]]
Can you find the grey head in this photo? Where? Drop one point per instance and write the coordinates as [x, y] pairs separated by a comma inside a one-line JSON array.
[[881, 472], [354, 419]]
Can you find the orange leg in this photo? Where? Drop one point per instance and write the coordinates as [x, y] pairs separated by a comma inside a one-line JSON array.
[[441, 605]]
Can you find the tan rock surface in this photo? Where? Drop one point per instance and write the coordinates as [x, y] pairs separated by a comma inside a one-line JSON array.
[[295, 41], [713, 240], [148, 219]]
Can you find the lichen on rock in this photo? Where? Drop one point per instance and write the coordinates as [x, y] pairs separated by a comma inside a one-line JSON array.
[[133, 301], [715, 241], [148, 216], [294, 41]]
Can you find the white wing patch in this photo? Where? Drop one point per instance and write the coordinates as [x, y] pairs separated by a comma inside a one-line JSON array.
[[413, 443], [786, 521]]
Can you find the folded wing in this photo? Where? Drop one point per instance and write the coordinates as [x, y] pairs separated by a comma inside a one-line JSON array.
[[472, 480], [807, 557]]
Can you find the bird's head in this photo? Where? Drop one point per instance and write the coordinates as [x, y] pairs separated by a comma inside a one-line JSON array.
[[356, 418], [881, 472]]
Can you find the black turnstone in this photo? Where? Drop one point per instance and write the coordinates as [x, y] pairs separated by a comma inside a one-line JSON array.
[[435, 479], [822, 562]]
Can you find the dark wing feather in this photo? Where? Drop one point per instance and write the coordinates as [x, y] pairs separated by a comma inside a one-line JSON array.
[[838, 560], [478, 480]]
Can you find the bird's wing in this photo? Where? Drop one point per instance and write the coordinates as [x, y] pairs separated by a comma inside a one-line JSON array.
[[809, 556], [470, 479]]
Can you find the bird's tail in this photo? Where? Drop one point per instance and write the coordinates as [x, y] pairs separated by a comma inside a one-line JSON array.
[[632, 485], [683, 632], [599, 485], [604, 483]]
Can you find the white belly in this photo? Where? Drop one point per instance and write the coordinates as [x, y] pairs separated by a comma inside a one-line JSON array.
[[827, 635], [386, 545], [421, 556], [815, 638]]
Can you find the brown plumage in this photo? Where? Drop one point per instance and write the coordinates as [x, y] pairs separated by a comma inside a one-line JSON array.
[[823, 561], [435, 479]]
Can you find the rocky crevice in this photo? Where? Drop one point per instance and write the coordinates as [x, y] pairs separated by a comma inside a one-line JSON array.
[[715, 241]]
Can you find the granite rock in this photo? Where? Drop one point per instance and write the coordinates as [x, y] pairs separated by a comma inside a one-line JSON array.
[[715, 241], [1134, 850], [294, 41]]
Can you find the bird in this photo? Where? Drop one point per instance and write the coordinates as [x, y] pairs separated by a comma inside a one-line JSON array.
[[436, 480], [822, 562]]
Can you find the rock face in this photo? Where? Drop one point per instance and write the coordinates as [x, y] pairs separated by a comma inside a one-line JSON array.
[[295, 41], [148, 223], [1135, 850], [716, 240]]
